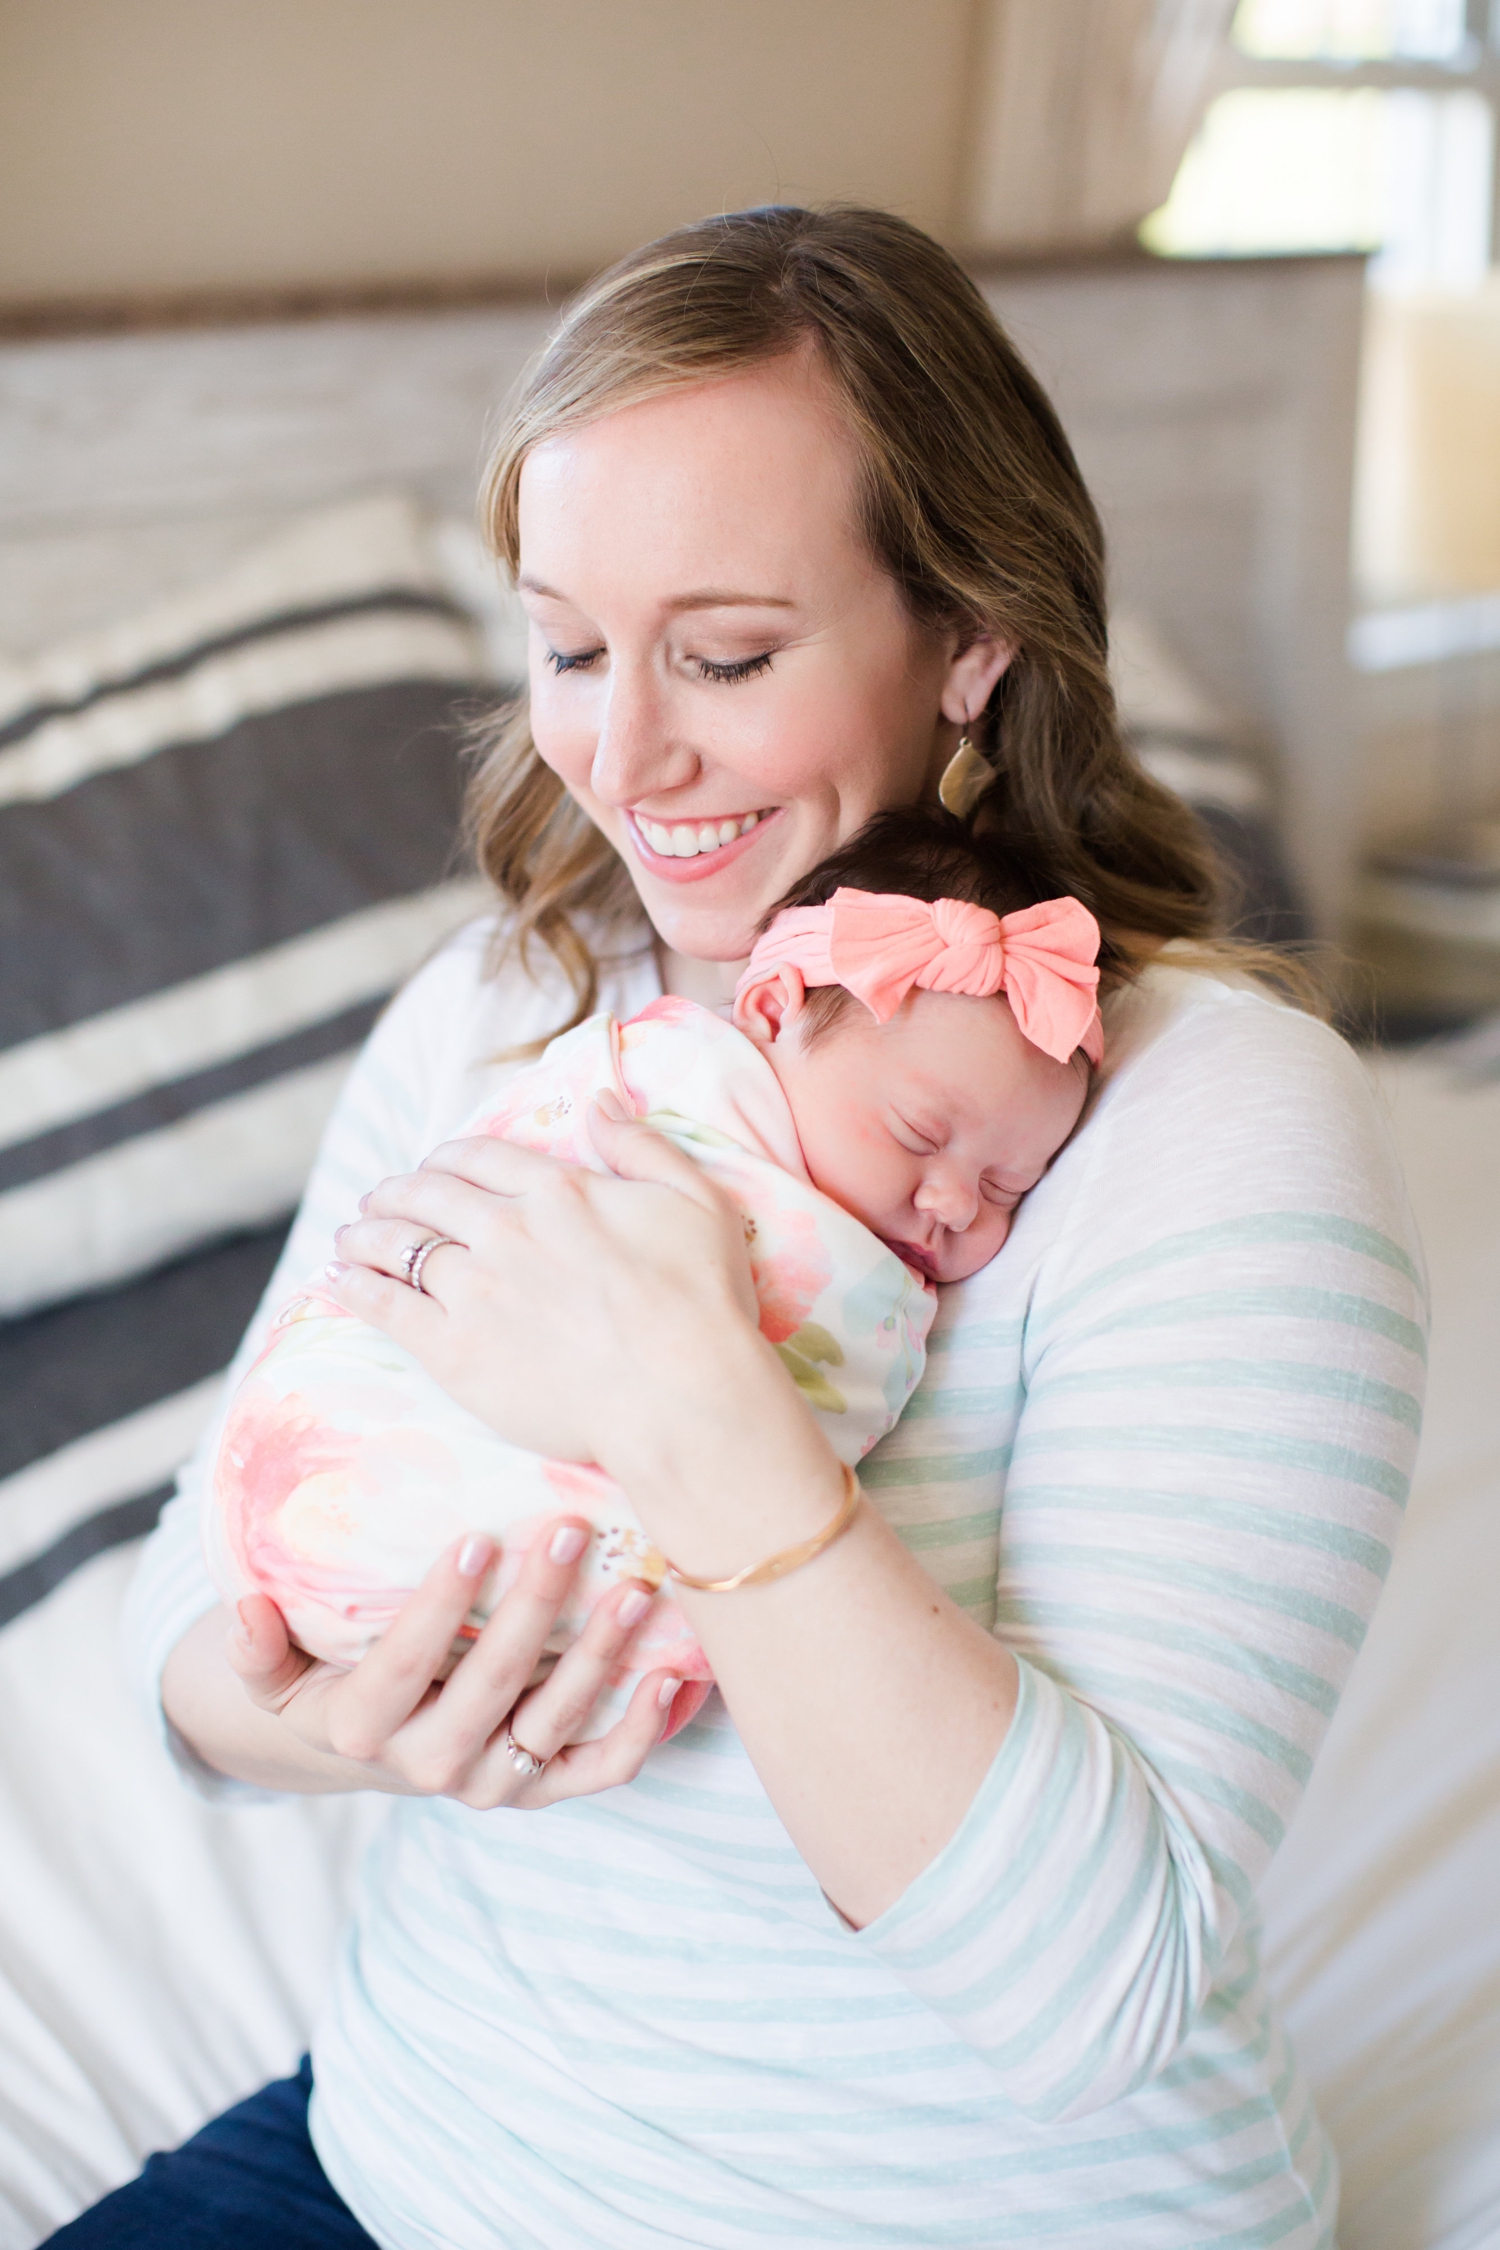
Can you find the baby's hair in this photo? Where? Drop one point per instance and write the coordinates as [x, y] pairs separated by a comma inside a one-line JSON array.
[[925, 854]]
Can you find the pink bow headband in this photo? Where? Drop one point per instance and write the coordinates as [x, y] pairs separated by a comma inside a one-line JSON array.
[[878, 945]]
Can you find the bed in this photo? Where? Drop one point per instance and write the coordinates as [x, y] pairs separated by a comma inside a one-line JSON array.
[[242, 595]]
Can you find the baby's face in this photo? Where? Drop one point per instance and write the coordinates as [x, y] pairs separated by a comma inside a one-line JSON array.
[[929, 1128]]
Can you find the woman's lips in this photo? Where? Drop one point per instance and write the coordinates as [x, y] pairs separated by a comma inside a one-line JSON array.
[[668, 868]]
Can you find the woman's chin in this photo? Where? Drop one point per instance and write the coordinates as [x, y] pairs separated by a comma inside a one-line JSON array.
[[710, 920]]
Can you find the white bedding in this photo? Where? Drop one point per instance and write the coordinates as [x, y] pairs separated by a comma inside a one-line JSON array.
[[1383, 1906], [158, 1957]]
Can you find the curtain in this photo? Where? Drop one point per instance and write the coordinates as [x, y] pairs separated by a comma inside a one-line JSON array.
[[1082, 112]]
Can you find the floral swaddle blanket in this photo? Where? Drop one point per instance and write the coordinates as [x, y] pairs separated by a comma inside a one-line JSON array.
[[343, 1470]]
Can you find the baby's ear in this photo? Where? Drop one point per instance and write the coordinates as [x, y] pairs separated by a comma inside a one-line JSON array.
[[764, 1008]]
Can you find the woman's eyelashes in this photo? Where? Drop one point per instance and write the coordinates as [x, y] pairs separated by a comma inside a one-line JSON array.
[[742, 668], [724, 670]]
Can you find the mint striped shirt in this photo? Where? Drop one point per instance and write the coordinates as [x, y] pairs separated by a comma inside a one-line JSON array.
[[1161, 1447]]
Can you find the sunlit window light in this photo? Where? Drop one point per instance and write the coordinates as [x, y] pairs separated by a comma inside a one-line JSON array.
[[1350, 30], [1401, 171]]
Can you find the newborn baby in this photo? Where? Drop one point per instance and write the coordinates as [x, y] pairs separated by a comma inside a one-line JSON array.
[[899, 1071]]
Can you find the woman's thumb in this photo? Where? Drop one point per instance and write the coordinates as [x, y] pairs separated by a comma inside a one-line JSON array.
[[634, 1152], [259, 1649]]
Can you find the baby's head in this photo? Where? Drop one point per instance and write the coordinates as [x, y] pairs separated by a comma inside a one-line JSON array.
[[928, 1117]]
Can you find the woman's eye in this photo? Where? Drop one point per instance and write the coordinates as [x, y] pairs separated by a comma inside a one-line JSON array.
[[560, 661], [744, 668]]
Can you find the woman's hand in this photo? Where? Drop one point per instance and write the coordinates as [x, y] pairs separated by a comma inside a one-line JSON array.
[[611, 1319], [404, 1733], [560, 1300]]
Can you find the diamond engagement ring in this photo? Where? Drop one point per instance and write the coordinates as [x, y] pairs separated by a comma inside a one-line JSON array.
[[416, 1254], [526, 1762]]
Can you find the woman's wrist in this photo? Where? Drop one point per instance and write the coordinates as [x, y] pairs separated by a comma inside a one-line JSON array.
[[726, 1466]]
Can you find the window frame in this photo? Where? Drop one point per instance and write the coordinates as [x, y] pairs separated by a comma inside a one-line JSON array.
[[1474, 64]]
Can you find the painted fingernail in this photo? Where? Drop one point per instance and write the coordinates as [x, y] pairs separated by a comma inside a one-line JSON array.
[[474, 1555], [335, 1271], [364, 1203], [568, 1543], [339, 1233], [634, 1606], [667, 1692]]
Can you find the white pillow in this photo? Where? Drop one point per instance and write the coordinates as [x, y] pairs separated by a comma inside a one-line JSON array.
[[227, 831]]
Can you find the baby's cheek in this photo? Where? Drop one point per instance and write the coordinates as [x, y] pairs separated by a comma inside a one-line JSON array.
[[848, 1161], [996, 1235], [968, 1252]]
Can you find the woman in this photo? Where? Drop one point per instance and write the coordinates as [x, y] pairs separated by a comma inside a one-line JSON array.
[[938, 1926]]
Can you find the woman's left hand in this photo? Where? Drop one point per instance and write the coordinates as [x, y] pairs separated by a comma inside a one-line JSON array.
[[534, 1317]]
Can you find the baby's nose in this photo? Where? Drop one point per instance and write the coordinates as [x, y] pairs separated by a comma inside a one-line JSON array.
[[951, 1199]]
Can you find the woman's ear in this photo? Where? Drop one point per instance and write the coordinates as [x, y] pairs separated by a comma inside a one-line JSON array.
[[765, 1007], [972, 674]]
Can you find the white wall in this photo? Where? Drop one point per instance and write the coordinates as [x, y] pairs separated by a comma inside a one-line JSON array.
[[154, 146]]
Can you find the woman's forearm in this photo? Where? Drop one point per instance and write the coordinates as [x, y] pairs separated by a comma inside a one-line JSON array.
[[871, 1706]]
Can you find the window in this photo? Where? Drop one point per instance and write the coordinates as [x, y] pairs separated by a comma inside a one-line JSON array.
[[1371, 125], [1349, 125]]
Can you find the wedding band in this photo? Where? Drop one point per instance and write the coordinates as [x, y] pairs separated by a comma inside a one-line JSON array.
[[526, 1762], [415, 1256]]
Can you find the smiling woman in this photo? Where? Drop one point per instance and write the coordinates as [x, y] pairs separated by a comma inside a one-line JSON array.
[[676, 494], [938, 1922], [786, 707]]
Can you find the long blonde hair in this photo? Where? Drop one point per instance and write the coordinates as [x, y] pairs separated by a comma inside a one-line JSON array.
[[971, 499]]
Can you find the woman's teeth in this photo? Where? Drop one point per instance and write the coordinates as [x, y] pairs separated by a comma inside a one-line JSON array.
[[682, 841]]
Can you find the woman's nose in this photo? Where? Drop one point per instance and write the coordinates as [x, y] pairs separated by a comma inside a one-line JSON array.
[[947, 1196], [635, 754]]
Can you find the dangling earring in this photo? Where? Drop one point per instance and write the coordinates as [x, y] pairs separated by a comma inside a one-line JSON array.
[[966, 777]]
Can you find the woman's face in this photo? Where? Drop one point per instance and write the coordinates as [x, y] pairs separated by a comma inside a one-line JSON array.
[[721, 674]]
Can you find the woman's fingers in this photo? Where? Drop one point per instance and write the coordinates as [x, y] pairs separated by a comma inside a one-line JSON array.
[[409, 1316], [555, 1711], [389, 1714], [385, 1246], [633, 1151], [372, 1703], [636, 1151], [482, 1690], [614, 1758], [485, 1161], [441, 1201]]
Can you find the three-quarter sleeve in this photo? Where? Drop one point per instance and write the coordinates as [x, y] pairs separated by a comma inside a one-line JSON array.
[[1222, 1358]]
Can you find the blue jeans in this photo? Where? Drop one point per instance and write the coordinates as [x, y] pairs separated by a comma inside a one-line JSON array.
[[250, 2179]]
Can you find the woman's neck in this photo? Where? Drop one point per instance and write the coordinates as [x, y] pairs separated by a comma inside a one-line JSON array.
[[710, 983]]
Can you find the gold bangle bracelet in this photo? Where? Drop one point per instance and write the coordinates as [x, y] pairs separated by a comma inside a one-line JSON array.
[[790, 1558]]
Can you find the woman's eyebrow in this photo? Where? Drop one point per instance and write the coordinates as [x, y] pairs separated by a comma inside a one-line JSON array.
[[703, 597], [721, 597]]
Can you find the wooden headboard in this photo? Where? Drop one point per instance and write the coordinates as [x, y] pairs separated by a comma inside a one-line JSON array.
[[1211, 403]]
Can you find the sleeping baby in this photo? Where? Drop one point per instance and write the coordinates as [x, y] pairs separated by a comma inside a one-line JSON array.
[[909, 1047]]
